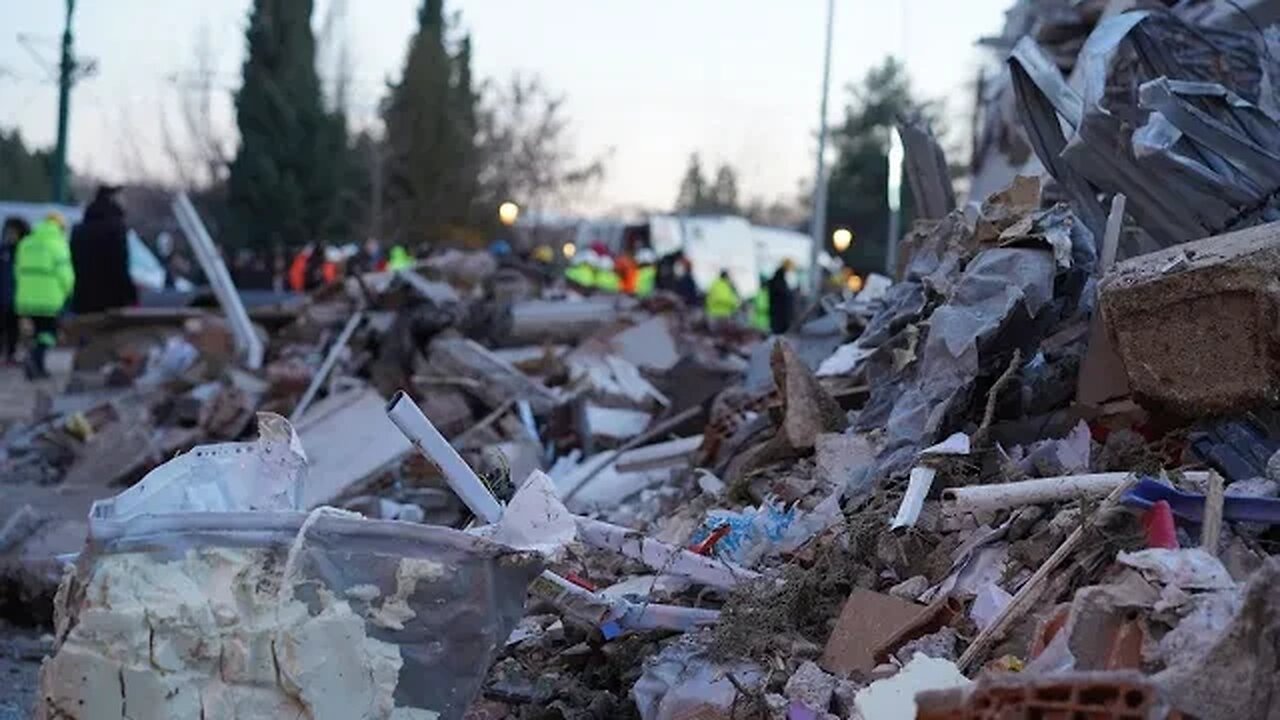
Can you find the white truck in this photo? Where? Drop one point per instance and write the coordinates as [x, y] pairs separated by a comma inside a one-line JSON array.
[[712, 243]]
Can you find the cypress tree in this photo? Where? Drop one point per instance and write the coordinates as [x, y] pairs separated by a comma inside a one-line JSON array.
[[284, 181], [431, 127]]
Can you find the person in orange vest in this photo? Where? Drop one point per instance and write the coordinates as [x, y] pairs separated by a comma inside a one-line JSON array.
[[625, 266], [298, 268], [332, 263]]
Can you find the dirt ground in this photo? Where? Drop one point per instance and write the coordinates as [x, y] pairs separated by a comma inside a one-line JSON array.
[[21, 650]]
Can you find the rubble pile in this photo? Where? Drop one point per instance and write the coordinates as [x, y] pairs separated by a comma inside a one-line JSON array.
[[1037, 475]]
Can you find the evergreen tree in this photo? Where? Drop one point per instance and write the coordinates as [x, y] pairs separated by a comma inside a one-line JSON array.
[[463, 147], [693, 188], [430, 118], [284, 183], [724, 192], [697, 196], [26, 173]]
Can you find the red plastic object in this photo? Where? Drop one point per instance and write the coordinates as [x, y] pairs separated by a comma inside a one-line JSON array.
[[1158, 524], [709, 543], [580, 581]]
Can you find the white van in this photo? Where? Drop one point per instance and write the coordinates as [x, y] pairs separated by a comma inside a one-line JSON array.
[[713, 243]]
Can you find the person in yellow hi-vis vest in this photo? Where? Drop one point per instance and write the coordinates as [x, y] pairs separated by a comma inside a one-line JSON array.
[[400, 259], [43, 279], [760, 307], [606, 279], [722, 298], [647, 275], [581, 274]]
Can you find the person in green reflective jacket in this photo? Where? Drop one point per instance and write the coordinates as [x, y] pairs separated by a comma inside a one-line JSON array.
[[760, 307], [400, 259], [722, 298], [647, 275], [43, 280], [581, 274]]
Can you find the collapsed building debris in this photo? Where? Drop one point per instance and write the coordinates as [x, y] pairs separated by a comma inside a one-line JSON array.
[[1036, 474]]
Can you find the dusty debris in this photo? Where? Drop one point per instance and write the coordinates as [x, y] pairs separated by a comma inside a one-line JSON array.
[[923, 484], [1164, 322]]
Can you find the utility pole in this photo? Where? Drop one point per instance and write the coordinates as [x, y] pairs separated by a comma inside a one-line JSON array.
[[66, 68], [818, 224]]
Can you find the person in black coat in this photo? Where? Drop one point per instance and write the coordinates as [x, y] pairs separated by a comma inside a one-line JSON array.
[[100, 256], [15, 228], [781, 300]]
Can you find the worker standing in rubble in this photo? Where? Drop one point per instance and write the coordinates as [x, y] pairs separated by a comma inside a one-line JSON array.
[[400, 259], [626, 269], [722, 299], [606, 278], [100, 256], [685, 287], [646, 273], [581, 273], [760, 307], [781, 298], [15, 228], [44, 280], [298, 268]]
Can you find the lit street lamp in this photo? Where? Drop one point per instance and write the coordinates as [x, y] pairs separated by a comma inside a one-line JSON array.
[[508, 212], [841, 239], [569, 250]]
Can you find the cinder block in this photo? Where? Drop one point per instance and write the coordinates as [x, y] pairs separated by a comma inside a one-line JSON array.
[[1196, 324]]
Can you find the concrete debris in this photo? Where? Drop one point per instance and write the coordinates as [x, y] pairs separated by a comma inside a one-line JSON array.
[[895, 698], [811, 686], [1039, 453], [1235, 677], [682, 682], [1218, 302]]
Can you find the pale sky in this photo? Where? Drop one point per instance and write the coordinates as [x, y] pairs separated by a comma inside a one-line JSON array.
[[736, 80]]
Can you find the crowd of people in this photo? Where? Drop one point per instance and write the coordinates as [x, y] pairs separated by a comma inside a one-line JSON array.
[[44, 273], [639, 271], [48, 270]]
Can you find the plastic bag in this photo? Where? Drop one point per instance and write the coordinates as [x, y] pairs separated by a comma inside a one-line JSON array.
[[244, 614]]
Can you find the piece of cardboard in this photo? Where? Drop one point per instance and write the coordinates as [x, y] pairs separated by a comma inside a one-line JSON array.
[[868, 620]]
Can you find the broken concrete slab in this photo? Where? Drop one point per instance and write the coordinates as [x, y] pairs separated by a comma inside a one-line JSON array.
[[1196, 324], [649, 345], [538, 321], [615, 424], [609, 377], [348, 440], [1238, 676], [844, 459], [497, 380]]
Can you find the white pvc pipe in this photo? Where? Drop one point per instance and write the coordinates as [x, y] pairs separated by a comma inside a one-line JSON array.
[[913, 500], [407, 416], [327, 366], [988, 498], [576, 601], [247, 341], [660, 556]]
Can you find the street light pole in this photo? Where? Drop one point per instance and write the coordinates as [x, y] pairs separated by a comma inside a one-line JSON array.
[[817, 225], [65, 70]]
